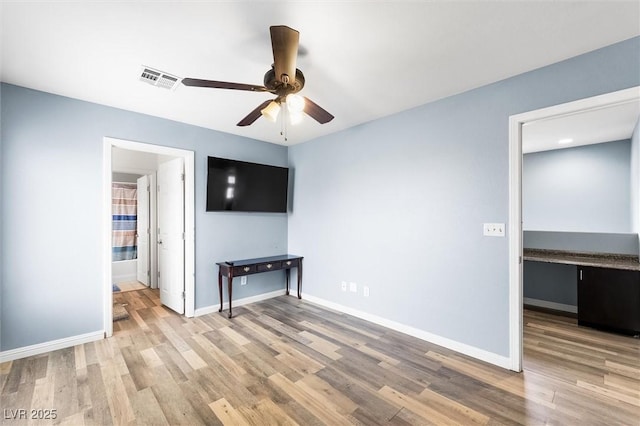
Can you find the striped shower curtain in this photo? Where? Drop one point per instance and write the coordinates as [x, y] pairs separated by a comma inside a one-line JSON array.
[[124, 215]]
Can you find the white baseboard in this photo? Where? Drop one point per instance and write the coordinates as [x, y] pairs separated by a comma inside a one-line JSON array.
[[550, 305], [53, 345], [240, 302], [490, 357]]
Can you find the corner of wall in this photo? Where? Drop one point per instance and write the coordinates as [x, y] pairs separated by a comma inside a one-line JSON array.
[[635, 180]]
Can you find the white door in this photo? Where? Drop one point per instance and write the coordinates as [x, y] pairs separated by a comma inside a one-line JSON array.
[[171, 234], [142, 230]]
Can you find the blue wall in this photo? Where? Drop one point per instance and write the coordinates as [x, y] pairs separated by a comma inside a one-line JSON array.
[[551, 282], [580, 189], [398, 204], [52, 212], [635, 180]]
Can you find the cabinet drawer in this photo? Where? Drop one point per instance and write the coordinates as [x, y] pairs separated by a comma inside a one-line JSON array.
[[269, 266], [244, 270]]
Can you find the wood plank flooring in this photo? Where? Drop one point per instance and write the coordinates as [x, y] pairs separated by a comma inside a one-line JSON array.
[[284, 361], [131, 285]]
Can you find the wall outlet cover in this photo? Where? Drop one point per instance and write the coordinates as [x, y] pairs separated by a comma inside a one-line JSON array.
[[353, 287], [243, 280]]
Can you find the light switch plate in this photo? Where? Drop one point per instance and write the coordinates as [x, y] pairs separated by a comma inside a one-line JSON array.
[[493, 229]]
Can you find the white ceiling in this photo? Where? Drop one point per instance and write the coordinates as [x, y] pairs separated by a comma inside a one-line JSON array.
[[362, 60], [598, 125]]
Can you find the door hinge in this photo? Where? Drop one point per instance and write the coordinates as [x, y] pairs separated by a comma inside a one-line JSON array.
[[148, 188], [158, 274], [183, 237], [183, 295], [182, 177]]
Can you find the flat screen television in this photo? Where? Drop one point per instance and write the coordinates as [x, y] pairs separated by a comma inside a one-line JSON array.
[[246, 187]]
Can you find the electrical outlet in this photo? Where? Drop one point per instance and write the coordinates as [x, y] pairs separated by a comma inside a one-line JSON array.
[[493, 229], [365, 291], [344, 286], [353, 287], [243, 280]]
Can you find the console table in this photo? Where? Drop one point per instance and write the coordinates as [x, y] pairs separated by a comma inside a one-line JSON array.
[[239, 268]]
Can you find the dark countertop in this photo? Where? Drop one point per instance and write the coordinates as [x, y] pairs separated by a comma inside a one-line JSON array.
[[601, 260]]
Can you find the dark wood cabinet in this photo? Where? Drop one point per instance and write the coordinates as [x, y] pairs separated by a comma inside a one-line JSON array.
[[609, 299]]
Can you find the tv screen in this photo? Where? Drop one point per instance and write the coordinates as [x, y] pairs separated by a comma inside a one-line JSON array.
[[246, 187]]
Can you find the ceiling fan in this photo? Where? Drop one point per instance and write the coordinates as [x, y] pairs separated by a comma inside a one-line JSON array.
[[283, 80]]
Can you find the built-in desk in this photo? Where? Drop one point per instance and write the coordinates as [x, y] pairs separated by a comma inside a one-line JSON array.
[[608, 287], [599, 260], [239, 268]]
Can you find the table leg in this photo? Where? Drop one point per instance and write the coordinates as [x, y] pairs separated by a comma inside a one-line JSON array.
[[220, 288], [229, 280], [300, 279], [288, 274]]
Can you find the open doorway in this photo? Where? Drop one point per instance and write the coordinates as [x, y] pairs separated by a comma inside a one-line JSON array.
[[516, 124], [170, 172], [133, 218]]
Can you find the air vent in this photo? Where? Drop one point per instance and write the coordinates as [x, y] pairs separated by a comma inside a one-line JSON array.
[[158, 78]]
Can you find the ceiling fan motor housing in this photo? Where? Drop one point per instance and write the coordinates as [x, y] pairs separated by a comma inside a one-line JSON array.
[[276, 86]]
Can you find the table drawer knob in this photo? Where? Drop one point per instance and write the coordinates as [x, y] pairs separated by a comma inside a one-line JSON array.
[[269, 266], [247, 269], [288, 263]]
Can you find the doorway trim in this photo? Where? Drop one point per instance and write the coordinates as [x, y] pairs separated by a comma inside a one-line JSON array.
[[515, 199], [189, 221]]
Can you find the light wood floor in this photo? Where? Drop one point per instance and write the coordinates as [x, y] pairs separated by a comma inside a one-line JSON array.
[[285, 361], [131, 285]]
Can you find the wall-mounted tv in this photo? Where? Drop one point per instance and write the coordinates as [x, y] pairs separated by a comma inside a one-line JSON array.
[[246, 187]]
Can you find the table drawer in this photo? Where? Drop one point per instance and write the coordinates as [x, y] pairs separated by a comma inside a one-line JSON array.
[[290, 263], [244, 270], [269, 266]]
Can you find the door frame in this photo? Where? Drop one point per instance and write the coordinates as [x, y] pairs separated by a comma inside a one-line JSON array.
[[515, 200], [189, 221]]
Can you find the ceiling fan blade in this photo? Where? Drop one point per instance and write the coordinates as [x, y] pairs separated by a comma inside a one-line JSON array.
[[254, 115], [316, 111], [222, 85], [284, 41]]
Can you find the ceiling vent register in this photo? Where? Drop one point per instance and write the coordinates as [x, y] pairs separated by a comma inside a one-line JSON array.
[[158, 78]]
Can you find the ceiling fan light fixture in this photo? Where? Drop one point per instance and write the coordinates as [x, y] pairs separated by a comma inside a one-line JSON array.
[[295, 118], [295, 103], [282, 80], [270, 112]]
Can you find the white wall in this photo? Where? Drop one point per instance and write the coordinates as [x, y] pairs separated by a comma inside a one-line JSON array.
[[124, 271]]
